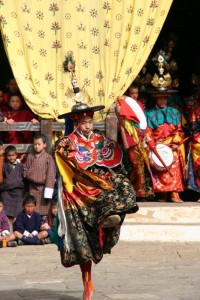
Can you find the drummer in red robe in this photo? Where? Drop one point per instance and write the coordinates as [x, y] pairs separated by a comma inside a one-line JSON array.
[[132, 127], [164, 126], [193, 164]]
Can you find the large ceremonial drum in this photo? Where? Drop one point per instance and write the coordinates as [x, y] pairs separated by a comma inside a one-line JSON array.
[[165, 153], [130, 109], [135, 107]]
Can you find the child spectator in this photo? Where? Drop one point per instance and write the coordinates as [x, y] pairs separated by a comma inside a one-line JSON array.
[[28, 223], [12, 88], [50, 220], [17, 114], [51, 216], [13, 184], [40, 171], [5, 228], [133, 92]]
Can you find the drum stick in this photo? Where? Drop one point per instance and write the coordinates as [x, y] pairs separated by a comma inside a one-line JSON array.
[[161, 160], [183, 141]]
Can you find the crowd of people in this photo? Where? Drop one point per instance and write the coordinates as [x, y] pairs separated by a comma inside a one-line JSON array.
[[99, 180], [13, 108], [166, 156], [90, 207], [26, 195]]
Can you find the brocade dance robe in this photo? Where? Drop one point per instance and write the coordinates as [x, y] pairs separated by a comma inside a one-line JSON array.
[[90, 194], [40, 170], [164, 126], [193, 171], [140, 173]]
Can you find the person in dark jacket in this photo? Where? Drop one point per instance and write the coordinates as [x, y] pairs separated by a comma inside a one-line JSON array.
[[27, 225], [12, 187]]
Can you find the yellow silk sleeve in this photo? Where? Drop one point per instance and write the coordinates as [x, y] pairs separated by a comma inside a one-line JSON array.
[[66, 172], [131, 130]]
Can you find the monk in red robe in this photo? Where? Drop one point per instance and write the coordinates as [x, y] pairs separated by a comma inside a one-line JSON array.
[[164, 126], [17, 114]]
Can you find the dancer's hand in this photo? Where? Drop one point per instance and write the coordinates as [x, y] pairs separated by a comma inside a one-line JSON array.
[[174, 147], [63, 142]]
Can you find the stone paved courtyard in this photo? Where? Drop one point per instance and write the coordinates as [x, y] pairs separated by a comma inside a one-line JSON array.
[[135, 270]]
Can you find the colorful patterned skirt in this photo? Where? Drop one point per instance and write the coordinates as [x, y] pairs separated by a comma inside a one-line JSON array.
[[87, 240]]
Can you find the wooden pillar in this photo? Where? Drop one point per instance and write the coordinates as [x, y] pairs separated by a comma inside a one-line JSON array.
[[46, 129], [111, 123]]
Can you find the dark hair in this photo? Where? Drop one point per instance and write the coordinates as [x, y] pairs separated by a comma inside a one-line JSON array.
[[133, 86], [29, 199], [1, 201], [11, 78], [9, 149], [1, 143], [51, 219], [16, 95], [41, 136]]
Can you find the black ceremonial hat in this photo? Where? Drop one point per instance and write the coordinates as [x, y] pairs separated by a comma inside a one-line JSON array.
[[81, 110]]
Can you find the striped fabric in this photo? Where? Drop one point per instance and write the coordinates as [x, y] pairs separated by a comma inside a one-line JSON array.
[[40, 171]]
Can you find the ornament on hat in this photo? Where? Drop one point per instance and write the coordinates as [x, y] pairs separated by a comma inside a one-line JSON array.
[[80, 109], [69, 67], [161, 81]]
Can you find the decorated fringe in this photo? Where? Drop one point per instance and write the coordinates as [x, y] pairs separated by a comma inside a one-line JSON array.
[[63, 228]]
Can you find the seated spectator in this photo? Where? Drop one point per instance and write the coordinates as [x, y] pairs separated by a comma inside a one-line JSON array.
[[12, 188], [50, 221], [5, 228], [17, 114], [28, 223]]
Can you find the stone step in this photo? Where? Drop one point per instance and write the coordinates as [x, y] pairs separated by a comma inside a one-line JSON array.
[[166, 222], [160, 233], [166, 213]]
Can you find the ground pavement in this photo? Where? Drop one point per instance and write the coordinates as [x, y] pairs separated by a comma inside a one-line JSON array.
[[135, 270]]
